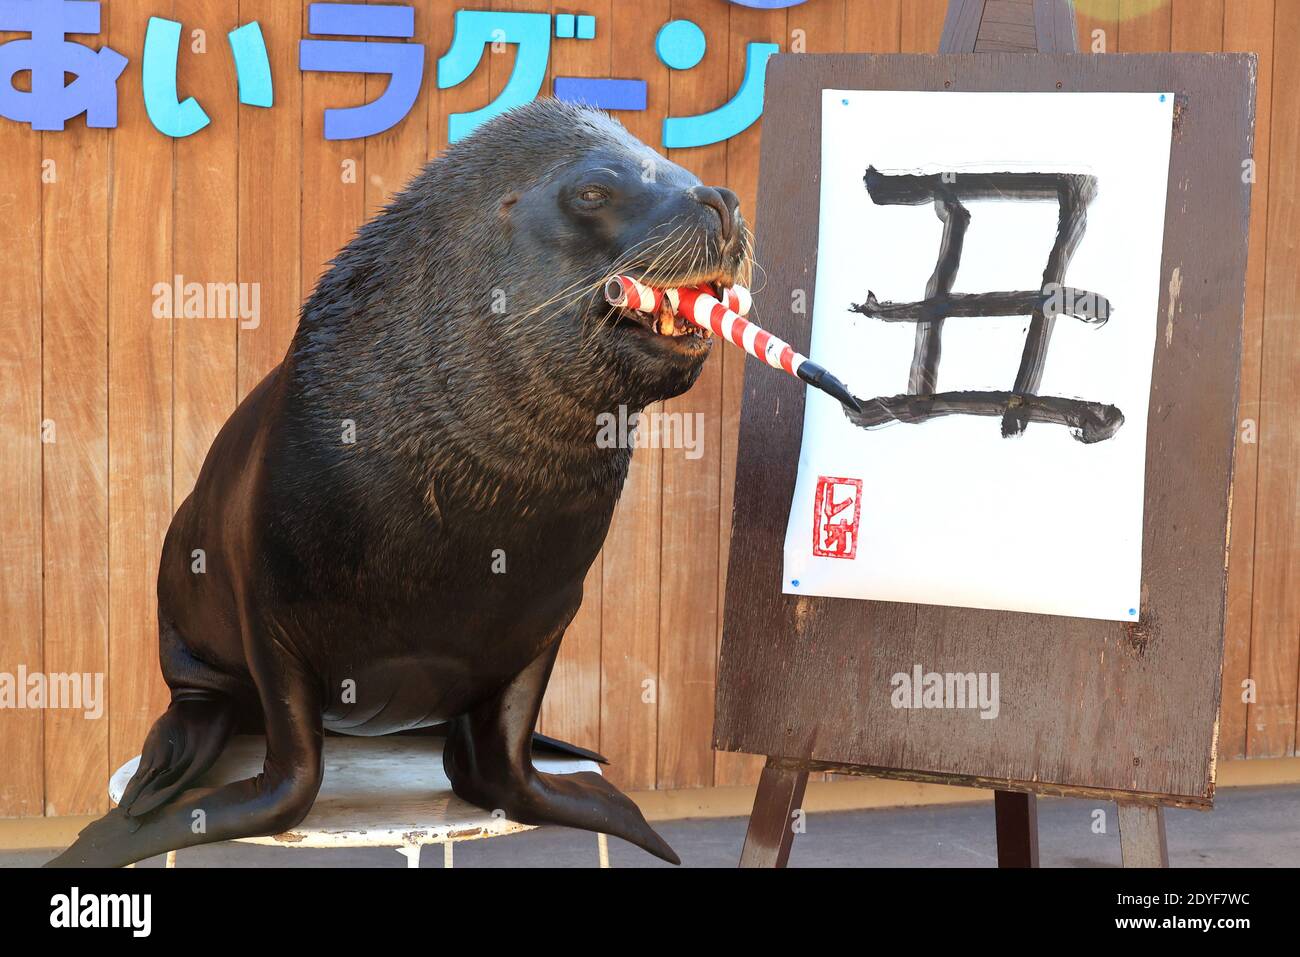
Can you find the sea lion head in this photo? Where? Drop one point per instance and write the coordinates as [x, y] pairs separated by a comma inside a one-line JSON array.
[[467, 321], [580, 199]]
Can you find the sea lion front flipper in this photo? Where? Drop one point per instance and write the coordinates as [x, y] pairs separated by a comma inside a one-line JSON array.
[[488, 758]]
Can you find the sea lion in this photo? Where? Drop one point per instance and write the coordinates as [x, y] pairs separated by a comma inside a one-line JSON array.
[[397, 521]]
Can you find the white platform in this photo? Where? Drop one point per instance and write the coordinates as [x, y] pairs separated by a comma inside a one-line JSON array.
[[377, 792]]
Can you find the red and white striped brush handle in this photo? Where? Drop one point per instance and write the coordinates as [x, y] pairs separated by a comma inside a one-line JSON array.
[[726, 319], [701, 307], [628, 293]]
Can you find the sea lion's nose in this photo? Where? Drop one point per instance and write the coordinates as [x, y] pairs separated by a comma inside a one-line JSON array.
[[723, 202]]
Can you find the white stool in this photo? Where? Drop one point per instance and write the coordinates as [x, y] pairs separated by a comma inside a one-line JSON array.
[[377, 792]]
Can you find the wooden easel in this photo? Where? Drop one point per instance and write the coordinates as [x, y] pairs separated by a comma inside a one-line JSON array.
[[1046, 26]]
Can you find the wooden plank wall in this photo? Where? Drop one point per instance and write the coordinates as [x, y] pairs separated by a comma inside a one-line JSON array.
[[106, 411]]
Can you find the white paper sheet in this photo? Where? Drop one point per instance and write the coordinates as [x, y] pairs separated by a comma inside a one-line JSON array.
[[949, 511]]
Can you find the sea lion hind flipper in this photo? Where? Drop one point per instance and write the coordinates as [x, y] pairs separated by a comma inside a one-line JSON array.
[[190, 735], [181, 746], [488, 761], [270, 803]]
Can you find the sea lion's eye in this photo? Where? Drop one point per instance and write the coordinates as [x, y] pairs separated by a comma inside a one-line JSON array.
[[593, 195]]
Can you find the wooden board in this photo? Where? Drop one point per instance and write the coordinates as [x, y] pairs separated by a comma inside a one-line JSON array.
[[1098, 27], [75, 241], [205, 240], [809, 678], [333, 184], [270, 164], [1275, 654], [571, 708], [629, 658], [141, 393], [1246, 28], [822, 24], [688, 566], [22, 767]]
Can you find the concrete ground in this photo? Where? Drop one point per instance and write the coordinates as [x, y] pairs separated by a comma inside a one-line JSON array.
[[1249, 827]]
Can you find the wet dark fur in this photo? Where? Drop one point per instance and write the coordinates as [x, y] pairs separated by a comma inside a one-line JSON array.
[[333, 564]]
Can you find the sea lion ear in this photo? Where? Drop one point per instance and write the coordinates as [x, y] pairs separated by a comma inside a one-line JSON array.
[[507, 201]]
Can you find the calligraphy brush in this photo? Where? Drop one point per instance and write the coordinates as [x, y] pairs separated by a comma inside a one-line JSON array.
[[698, 305]]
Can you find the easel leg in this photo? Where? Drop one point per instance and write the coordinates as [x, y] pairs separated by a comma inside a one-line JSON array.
[[768, 840], [1142, 835], [1016, 814]]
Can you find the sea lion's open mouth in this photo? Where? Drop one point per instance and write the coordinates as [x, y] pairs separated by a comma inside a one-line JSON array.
[[664, 321]]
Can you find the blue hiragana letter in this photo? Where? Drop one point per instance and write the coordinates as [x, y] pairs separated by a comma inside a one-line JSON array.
[[404, 62], [171, 117], [48, 55], [475, 29], [176, 118], [252, 65], [732, 118]]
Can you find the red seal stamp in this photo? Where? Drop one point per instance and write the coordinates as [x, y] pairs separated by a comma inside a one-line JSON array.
[[836, 512]]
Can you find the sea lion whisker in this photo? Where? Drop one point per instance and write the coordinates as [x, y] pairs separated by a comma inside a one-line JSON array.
[[567, 294], [580, 289], [757, 268], [664, 249], [567, 297], [670, 254], [668, 241], [687, 249]]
